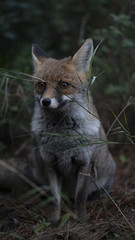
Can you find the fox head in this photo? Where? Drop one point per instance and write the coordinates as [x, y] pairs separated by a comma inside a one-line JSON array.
[[58, 82]]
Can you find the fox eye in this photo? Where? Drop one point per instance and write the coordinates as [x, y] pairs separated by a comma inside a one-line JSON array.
[[41, 85], [64, 84]]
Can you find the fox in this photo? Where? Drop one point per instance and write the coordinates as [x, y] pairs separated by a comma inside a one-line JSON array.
[[71, 154], [71, 147]]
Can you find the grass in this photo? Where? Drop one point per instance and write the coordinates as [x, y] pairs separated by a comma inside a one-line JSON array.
[[25, 218]]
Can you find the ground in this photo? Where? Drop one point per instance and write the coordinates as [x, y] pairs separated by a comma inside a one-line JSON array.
[[112, 218]]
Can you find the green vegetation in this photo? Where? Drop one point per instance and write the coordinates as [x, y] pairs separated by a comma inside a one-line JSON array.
[[60, 28]]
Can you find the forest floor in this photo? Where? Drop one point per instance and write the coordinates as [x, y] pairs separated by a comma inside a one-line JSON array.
[[25, 218]]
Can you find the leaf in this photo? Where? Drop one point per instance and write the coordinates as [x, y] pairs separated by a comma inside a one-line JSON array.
[[65, 219], [47, 224], [46, 201], [16, 236], [39, 227], [123, 159], [116, 235], [93, 79], [90, 67], [66, 198], [125, 117]]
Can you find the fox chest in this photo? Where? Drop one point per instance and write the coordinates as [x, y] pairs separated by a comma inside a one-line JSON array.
[[67, 152], [62, 140], [65, 143]]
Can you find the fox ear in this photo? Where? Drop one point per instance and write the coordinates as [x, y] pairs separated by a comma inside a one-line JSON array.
[[83, 56], [38, 55]]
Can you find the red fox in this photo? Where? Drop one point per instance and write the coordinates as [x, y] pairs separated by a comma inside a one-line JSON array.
[[71, 153], [70, 139]]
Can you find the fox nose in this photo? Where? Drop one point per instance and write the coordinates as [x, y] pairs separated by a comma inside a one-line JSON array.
[[46, 102]]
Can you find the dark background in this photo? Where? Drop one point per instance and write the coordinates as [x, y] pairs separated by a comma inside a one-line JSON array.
[[60, 28]]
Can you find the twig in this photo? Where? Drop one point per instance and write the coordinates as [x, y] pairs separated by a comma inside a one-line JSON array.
[[128, 104]]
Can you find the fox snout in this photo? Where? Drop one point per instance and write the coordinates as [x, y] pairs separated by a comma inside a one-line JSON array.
[[49, 103], [46, 102], [54, 103]]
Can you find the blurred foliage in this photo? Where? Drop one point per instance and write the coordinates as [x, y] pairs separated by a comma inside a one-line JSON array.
[[15, 111], [59, 28]]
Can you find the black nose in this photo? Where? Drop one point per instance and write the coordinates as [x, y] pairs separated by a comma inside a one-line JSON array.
[[46, 102]]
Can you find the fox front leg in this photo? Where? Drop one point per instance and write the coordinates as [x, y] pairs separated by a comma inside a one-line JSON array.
[[81, 191], [55, 189]]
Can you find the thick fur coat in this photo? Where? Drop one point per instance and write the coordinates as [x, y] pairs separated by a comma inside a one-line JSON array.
[[71, 153], [71, 149]]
